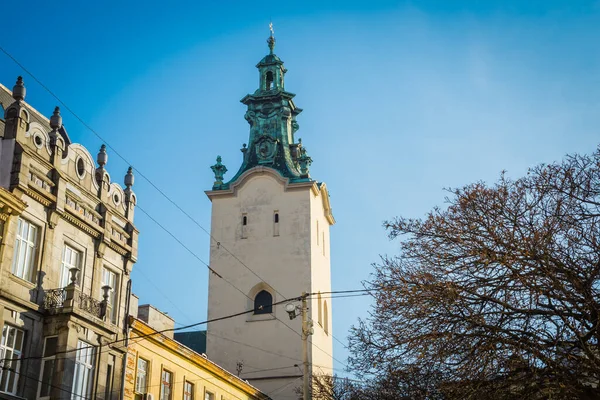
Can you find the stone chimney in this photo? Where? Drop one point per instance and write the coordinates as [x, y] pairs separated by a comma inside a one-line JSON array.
[[156, 319]]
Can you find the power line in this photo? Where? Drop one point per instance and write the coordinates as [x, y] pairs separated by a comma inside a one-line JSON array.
[[149, 334]]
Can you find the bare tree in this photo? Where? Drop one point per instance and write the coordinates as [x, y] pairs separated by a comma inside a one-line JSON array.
[[497, 293]]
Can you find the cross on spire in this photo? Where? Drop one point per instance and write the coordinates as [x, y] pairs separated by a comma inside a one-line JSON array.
[[271, 39]]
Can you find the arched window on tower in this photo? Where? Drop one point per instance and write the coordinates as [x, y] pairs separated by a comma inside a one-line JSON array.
[[325, 318], [263, 303], [268, 80]]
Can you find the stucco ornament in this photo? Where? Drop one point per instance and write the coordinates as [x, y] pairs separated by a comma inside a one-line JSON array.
[[305, 161], [219, 170], [266, 149]]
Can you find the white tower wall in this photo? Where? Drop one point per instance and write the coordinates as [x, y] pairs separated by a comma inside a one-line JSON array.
[[287, 258]]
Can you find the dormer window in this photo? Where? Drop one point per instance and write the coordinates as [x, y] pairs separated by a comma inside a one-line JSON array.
[[269, 80]]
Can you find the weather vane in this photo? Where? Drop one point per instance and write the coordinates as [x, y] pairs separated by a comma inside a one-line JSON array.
[[271, 28]]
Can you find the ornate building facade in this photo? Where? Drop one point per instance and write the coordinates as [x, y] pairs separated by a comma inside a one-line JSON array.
[[68, 246], [270, 228]]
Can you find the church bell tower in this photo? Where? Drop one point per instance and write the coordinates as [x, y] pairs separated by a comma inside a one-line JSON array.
[[270, 228]]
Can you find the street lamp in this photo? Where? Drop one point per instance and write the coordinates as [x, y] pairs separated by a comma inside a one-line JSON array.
[[307, 330]]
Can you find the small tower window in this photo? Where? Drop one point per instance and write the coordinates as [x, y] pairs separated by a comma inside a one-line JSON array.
[[244, 226], [263, 303], [269, 80], [276, 223]]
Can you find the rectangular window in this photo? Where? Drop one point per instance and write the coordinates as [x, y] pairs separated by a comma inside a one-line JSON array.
[[47, 371], [70, 259], [25, 246], [209, 396], [110, 278], [275, 223], [244, 226], [166, 383], [83, 375], [11, 348], [141, 379], [110, 372], [188, 391]]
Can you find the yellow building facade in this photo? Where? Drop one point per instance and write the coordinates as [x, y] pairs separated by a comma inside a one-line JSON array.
[[160, 368]]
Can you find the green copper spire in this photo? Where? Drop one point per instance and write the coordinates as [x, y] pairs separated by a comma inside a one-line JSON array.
[[272, 116]]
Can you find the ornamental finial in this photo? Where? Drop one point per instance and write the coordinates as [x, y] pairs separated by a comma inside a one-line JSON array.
[[102, 156], [129, 179], [19, 90], [56, 119], [271, 39]]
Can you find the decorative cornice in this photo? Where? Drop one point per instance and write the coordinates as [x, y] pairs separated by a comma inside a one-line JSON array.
[[119, 249], [10, 204], [260, 170], [326, 204], [75, 220], [32, 192]]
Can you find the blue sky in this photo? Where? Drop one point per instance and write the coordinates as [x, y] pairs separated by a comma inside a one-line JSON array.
[[400, 99]]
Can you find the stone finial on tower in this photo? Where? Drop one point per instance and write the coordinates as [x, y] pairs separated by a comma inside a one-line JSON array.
[[129, 178], [102, 156], [271, 39], [19, 90], [56, 119], [219, 170]]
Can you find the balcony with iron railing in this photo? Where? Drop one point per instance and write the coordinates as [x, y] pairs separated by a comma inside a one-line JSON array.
[[71, 299]]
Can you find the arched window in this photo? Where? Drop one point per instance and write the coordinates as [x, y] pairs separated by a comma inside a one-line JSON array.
[[263, 303], [320, 308], [268, 80], [325, 318]]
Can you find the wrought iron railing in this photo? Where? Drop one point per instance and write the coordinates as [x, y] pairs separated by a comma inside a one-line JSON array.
[[89, 304], [55, 299]]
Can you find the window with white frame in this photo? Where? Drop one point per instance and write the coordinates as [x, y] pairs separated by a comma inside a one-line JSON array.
[[48, 361], [25, 246], [71, 259], [11, 348], [141, 379], [166, 384], [84, 371], [110, 278], [188, 390]]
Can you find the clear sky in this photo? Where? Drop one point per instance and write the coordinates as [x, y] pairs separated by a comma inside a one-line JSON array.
[[400, 99]]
